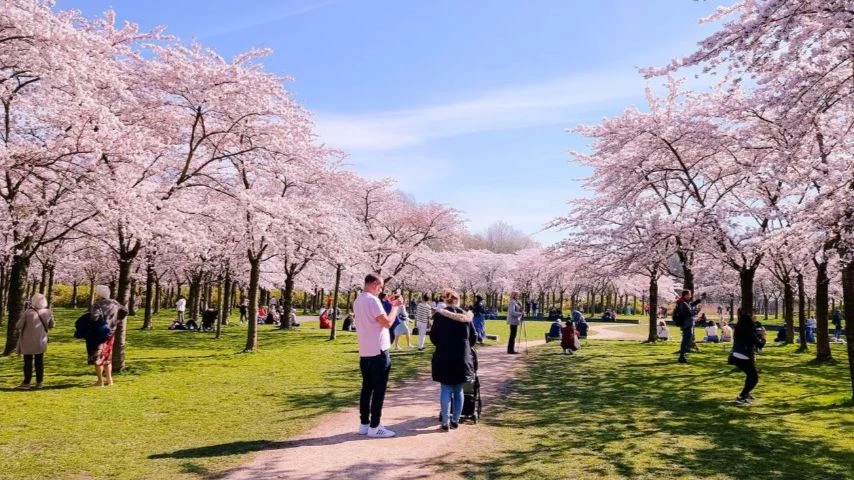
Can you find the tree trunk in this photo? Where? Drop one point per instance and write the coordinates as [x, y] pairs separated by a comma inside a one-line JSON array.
[[848, 308], [653, 307], [765, 305], [74, 294], [224, 310], [788, 310], [132, 299], [158, 297], [4, 282], [220, 305], [49, 294], [149, 293], [287, 302], [252, 313], [15, 301], [802, 315], [43, 281], [125, 264], [91, 291], [746, 276], [335, 302], [822, 340]]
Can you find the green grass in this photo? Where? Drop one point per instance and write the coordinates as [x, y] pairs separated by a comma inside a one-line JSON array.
[[620, 410], [187, 406]]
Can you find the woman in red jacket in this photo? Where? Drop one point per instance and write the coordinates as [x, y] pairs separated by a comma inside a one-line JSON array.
[[569, 337]]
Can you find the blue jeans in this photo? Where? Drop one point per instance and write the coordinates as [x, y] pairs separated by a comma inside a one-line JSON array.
[[687, 336], [447, 393]]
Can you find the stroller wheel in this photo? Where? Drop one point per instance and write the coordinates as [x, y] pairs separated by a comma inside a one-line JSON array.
[[475, 418]]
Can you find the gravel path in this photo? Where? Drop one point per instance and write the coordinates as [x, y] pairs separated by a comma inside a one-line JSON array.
[[333, 450]]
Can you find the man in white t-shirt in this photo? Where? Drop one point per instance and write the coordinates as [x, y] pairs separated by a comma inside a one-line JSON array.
[[372, 324], [180, 306]]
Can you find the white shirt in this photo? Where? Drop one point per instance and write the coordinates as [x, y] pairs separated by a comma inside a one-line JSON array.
[[373, 337], [423, 313], [711, 331], [181, 305]]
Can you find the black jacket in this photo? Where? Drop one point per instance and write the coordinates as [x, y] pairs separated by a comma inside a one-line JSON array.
[[453, 362], [745, 341], [683, 314]]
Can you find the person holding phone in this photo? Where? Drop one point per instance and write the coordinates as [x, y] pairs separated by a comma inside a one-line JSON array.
[[683, 317], [372, 323]]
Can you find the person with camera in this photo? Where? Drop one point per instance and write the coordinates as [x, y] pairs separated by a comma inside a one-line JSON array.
[[514, 319], [683, 318], [372, 323]]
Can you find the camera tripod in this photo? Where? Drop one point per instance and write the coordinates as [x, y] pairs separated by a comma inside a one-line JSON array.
[[522, 337]]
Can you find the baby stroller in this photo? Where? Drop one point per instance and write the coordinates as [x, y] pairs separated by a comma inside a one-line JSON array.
[[472, 404], [209, 318]]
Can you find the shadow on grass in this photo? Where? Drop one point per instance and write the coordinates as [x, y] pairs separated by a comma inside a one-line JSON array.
[[637, 414]]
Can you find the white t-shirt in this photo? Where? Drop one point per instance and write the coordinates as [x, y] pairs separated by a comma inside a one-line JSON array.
[[373, 337], [711, 331], [181, 305]]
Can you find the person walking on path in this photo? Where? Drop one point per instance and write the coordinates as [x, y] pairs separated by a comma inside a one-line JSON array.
[[479, 320], [108, 312], [32, 330], [514, 319], [372, 324], [423, 312], [683, 318], [453, 363], [180, 307], [743, 356]]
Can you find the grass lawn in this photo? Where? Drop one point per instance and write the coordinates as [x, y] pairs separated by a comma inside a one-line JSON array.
[[188, 405], [620, 410]]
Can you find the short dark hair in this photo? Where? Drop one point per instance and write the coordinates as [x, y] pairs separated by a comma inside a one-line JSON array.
[[686, 292], [425, 297], [372, 278]]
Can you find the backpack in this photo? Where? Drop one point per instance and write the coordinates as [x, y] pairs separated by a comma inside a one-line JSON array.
[[675, 317]]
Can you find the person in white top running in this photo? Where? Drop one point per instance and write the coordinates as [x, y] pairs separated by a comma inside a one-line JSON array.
[[374, 360]]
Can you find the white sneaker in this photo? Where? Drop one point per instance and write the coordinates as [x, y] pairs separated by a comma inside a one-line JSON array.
[[363, 429], [380, 432]]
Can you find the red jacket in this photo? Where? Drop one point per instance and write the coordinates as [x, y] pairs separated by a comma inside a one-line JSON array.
[[567, 337]]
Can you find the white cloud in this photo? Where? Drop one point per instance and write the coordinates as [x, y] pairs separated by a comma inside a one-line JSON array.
[[555, 101]]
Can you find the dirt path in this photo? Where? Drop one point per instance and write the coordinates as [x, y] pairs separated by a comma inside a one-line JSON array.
[[609, 332], [333, 450]]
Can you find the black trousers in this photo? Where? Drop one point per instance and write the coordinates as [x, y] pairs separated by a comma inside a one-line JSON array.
[[28, 368], [511, 341], [374, 382], [752, 376]]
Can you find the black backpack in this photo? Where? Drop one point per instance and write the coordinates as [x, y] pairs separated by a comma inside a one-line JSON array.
[[675, 317]]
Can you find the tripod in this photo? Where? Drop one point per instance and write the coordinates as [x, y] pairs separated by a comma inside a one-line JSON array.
[[522, 337]]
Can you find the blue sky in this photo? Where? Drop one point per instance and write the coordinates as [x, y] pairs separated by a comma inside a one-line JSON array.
[[465, 102]]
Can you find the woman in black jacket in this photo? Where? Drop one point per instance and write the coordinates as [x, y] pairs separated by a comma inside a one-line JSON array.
[[453, 362], [743, 356]]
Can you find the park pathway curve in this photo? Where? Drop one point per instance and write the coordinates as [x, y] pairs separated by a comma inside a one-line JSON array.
[[333, 450], [603, 331]]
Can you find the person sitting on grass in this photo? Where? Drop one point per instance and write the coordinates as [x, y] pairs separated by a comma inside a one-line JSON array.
[[177, 325], [781, 335], [554, 332], [582, 326], [711, 332], [348, 323], [726, 332], [569, 338], [761, 334], [324, 319], [661, 331]]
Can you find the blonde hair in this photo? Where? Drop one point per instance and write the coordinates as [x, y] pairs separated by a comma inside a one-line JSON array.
[[102, 291], [38, 301], [450, 296]]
